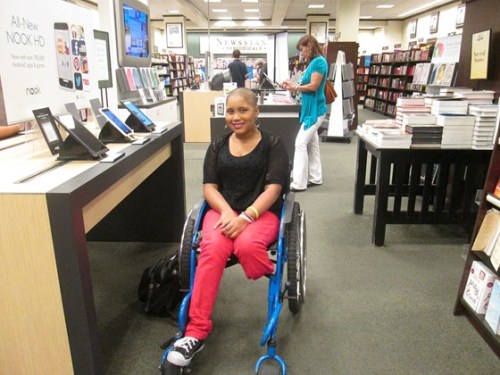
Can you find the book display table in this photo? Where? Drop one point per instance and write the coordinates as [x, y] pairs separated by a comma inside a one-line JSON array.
[[418, 186], [49, 322]]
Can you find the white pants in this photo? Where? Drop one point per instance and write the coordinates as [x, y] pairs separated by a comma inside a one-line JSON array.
[[307, 161]]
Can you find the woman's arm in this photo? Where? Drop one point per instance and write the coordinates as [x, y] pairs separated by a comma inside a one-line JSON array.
[[8, 131], [264, 201], [312, 86]]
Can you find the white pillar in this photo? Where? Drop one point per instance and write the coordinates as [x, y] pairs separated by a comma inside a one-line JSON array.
[[347, 22]]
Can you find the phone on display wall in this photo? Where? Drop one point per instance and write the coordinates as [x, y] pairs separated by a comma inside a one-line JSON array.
[[63, 53]]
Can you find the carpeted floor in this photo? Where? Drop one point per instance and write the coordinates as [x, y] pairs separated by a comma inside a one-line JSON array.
[[369, 310]]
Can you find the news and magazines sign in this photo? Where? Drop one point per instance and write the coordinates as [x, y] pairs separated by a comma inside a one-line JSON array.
[[225, 45]]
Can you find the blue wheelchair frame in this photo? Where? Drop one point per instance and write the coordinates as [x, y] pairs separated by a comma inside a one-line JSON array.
[[277, 288]]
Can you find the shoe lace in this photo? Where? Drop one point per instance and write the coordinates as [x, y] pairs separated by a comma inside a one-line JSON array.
[[186, 343]]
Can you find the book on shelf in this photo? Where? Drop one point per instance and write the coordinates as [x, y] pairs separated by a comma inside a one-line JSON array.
[[478, 288], [492, 316], [442, 74], [488, 233], [421, 73]]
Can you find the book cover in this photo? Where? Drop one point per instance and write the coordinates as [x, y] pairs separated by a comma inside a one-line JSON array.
[[488, 233], [492, 316], [477, 291]]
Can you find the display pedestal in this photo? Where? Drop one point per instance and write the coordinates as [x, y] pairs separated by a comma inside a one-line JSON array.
[[109, 134]]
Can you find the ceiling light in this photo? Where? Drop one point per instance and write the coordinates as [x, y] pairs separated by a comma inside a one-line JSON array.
[[219, 10], [316, 6], [365, 17], [253, 23], [173, 11], [421, 7], [251, 10], [224, 23], [249, 1], [225, 18], [212, 1], [252, 18], [385, 6]]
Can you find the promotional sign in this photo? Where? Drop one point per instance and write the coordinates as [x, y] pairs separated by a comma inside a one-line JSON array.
[[227, 44], [46, 59]]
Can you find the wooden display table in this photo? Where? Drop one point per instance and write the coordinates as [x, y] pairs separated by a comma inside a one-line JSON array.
[[424, 186], [49, 323]]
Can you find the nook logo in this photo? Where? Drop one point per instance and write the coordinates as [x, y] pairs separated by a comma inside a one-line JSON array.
[[33, 90]]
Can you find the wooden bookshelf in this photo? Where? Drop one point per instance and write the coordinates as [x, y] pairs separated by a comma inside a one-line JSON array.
[[362, 72], [488, 201], [390, 76], [175, 70]]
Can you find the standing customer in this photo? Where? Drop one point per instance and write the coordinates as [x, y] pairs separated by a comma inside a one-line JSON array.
[[245, 174], [238, 69], [307, 162]]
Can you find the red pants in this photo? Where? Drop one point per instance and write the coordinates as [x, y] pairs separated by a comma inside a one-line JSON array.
[[250, 247]]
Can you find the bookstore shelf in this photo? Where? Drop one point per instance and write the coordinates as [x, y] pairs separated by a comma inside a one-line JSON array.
[[177, 72], [488, 202], [390, 76]]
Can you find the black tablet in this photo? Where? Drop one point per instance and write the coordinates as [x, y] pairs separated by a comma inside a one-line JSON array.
[[139, 115], [96, 105], [82, 135], [117, 123], [49, 129]]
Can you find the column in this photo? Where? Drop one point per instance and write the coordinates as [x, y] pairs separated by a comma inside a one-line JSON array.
[[347, 22]]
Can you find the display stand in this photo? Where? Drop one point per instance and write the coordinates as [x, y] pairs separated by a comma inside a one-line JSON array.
[[342, 111], [72, 149], [109, 134], [137, 126]]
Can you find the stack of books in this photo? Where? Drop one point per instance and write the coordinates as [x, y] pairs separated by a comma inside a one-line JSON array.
[[477, 97], [423, 128], [385, 134], [449, 106], [484, 126], [457, 130], [409, 105]]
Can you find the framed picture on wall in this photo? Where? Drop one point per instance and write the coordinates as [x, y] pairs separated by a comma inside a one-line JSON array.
[[413, 28], [174, 35], [434, 23], [460, 16], [319, 30]]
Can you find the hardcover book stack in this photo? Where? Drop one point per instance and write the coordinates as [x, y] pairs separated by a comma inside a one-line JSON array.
[[385, 134], [423, 129], [457, 130], [409, 105], [449, 106], [484, 126], [477, 97]]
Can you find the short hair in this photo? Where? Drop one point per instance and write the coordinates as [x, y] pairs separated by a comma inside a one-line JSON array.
[[236, 53], [247, 94]]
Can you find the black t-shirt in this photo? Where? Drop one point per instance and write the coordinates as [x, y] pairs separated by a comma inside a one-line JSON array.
[[242, 179], [238, 72]]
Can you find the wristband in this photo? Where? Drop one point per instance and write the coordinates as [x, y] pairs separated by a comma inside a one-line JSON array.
[[246, 217], [255, 211]]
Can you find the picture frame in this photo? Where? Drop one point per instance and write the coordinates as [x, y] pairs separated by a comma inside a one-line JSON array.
[[434, 23], [174, 35], [103, 68], [319, 30], [412, 26], [459, 21]]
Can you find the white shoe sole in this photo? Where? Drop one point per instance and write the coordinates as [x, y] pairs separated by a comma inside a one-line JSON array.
[[178, 359]]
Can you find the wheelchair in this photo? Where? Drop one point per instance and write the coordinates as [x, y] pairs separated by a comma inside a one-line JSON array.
[[290, 253]]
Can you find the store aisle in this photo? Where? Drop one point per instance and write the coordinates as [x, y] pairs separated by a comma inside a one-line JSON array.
[[369, 310]]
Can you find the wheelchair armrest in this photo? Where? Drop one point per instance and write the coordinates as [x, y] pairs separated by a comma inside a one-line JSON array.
[[289, 200]]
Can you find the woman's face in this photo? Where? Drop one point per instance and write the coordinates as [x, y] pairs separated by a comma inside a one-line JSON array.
[[241, 114], [305, 51]]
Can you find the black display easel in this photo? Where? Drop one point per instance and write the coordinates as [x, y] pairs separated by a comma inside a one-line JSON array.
[[137, 126], [109, 134], [72, 149]]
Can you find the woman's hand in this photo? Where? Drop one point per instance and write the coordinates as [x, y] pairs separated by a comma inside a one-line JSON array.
[[230, 224]]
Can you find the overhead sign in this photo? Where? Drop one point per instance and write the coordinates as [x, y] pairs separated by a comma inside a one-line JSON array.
[[225, 45]]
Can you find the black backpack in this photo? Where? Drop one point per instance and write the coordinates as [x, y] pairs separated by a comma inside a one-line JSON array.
[[159, 288]]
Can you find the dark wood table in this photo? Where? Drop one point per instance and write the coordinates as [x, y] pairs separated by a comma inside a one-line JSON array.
[[418, 186]]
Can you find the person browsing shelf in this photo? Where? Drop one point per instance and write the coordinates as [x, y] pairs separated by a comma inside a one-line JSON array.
[[238, 69], [245, 175], [307, 169]]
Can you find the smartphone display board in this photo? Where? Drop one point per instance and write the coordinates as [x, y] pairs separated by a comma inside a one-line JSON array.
[[82, 144], [139, 115], [95, 104], [117, 123], [45, 122], [63, 55]]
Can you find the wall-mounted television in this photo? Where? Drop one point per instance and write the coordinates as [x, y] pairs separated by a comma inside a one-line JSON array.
[[133, 33]]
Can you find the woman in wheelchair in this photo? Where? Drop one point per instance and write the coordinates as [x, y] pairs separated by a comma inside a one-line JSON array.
[[245, 176]]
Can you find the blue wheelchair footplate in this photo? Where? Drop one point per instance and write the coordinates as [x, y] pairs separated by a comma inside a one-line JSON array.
[[270, 362]]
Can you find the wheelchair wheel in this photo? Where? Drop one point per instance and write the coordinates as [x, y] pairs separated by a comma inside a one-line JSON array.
[[296, 267], [185, 254]]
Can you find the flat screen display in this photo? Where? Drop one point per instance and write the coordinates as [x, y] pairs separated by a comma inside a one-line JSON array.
[[48, 128], [138, 114], [121, 126], [136, 31]]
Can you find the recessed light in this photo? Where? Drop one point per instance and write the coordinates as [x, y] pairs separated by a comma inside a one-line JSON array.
[[225, 18], [421, 7], [252, 18], [253, 23], [251, 10], [173, 11], [212, 1], [225, 23], [219, 10], [316, 6], [249, 1], [385, 6], [365, 17]]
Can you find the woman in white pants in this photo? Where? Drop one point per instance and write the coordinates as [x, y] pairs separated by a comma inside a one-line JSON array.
[[307, 162]]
